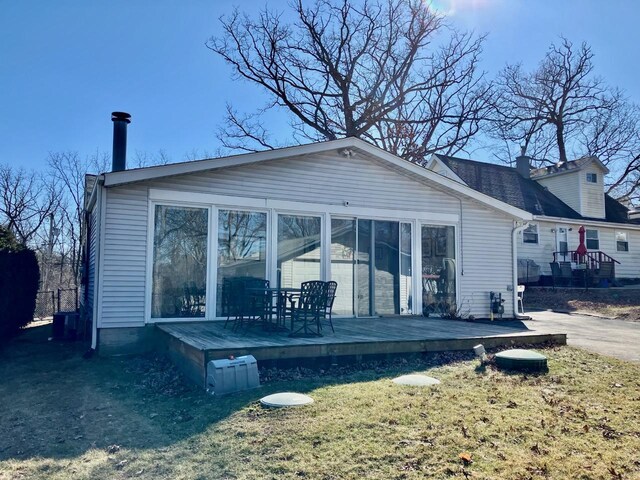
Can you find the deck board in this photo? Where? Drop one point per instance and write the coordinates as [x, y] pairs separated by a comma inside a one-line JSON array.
[[213, 335]]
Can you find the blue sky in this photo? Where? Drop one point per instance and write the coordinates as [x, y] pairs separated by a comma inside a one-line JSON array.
[[66, 65]]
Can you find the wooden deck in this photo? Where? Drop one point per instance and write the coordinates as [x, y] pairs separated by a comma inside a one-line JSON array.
[[191, 345]]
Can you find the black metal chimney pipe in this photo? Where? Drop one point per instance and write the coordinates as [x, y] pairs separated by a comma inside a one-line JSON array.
[[119, 158]]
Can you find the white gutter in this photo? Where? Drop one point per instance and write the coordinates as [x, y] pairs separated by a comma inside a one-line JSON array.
[[514, 249], [596, 223]]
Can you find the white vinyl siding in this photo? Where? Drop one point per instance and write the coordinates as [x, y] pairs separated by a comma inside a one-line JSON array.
[[487, 261], [573, 188], [566, 187], [319, 179], [592, 195], [542, 253], [326, 179], [125, 253]]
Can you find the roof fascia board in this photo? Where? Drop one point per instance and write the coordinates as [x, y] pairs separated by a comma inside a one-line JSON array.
[[596, 223], [160, 171]]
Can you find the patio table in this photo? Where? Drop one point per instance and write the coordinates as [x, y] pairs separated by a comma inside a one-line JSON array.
[[281, 295]]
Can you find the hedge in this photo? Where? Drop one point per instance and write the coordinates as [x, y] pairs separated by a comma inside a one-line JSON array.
[[19, 281]]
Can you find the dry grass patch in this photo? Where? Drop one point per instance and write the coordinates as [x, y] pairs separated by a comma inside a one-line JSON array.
[[612, 303], [64, 417]]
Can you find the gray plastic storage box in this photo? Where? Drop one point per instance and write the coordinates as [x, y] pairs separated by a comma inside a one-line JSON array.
[[229, 376]]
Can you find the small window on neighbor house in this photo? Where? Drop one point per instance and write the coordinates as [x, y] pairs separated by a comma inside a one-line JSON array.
[[593, 243], [622, 242], [530, 234], [592, 177]]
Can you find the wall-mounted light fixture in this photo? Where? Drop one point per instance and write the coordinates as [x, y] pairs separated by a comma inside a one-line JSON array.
[[348, 153]]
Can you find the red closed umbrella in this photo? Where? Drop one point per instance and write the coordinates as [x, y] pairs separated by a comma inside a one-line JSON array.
[[582, 249]]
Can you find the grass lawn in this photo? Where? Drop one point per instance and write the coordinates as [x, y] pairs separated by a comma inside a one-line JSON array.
[[65, 417], [615, 303]]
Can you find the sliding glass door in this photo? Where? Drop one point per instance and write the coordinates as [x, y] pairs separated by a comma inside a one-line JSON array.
[[383, 268], [438, 269], [299, 249], [343, 264]]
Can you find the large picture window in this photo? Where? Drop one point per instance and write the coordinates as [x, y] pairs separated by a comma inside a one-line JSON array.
[[242, 248], [180, 245]]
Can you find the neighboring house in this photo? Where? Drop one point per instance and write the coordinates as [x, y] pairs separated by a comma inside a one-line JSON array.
[[397, 237], [561, 198]]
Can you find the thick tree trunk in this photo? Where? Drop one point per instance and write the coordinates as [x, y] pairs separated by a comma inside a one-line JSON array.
[[562, 150]]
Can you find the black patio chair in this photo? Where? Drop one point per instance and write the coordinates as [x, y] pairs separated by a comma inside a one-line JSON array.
[[330, 296], [260, 306], [307, 308], [241, 305], [561, 274]]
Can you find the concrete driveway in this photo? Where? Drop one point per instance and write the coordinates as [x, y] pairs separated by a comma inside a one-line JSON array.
[[616, 338]]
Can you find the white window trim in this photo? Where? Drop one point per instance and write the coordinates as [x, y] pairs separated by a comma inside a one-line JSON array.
[[590, 175]]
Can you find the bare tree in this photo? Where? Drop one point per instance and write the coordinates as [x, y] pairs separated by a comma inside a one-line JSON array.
[[27, 199], [143, 158], [381, 70], [543, 110], [562, 109], [614, 137], [70, 169]]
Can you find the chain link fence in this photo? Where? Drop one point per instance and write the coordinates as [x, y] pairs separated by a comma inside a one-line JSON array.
[[45, 304], [49, 302]]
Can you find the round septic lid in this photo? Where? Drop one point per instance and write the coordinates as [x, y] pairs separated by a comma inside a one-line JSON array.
[[416, 380], [286, 399], [519, 359]]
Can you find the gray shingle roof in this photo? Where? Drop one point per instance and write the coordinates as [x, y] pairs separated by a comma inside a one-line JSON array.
[[507, 185]]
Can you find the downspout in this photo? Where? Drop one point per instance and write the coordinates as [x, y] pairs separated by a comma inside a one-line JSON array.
[[514, 252]]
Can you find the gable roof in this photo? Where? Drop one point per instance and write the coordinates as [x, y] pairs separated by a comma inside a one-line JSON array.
[[346, 146], [507, 185], [566, 167]]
